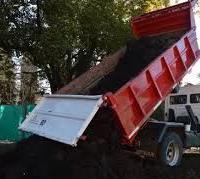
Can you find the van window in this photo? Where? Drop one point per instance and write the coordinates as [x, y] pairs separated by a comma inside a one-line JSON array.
[[195, 98], [179, 99]]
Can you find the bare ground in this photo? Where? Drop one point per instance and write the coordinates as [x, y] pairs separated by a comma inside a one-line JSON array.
[[39, 158]]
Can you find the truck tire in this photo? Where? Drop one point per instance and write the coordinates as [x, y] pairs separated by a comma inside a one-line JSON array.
[[171, 150]]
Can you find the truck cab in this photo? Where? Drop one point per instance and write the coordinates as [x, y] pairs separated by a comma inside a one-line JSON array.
[[175, 103], [184, 107]]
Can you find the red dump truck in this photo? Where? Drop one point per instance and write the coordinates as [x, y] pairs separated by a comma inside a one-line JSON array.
[[114, 100]]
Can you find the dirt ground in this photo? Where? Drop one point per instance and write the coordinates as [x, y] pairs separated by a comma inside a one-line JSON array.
[[39, 158]]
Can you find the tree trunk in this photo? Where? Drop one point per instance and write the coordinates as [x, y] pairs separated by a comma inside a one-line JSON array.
[[55, 79]]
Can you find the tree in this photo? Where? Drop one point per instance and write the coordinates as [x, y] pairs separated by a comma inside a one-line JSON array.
[[65, 38], [7, 79]]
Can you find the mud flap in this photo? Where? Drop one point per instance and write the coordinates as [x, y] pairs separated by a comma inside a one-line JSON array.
[[62, 118]]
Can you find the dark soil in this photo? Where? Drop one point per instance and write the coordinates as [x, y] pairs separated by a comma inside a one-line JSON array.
[[139, 54], [39, 158]]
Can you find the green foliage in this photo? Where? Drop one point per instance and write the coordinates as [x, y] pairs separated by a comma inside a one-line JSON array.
[[67, 37]]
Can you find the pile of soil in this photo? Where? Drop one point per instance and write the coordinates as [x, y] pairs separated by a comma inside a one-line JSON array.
[[39, 158], [138, 55]]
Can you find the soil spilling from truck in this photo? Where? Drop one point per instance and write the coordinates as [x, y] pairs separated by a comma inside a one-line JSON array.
[[39, 158], [139, 54]]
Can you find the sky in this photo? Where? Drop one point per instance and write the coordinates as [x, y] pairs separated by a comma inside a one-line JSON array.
[[193, 76]]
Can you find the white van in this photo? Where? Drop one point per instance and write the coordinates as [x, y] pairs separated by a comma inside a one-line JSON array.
[[175, 103]]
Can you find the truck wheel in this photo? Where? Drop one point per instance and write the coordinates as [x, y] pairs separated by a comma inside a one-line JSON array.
[[171, 150]]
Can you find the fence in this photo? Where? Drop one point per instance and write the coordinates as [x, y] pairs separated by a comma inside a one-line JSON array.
[[11, 116]]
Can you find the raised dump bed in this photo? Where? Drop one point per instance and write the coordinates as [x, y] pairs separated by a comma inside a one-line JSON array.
[[131, 83]]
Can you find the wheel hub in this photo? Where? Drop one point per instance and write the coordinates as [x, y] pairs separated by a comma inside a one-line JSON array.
[[172, 153]]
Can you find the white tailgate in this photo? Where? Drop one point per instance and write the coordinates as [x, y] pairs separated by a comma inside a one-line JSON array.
[[63, 118]]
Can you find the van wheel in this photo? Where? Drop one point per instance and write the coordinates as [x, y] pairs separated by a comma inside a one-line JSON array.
[[171, 150]]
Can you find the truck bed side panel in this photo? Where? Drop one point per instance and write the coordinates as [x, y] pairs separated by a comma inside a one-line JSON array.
[[138, 99]]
